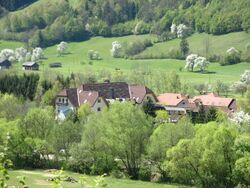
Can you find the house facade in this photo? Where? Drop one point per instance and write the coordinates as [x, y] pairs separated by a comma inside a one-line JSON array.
[[175, 104], [100, 96], [6, 64], [30, 66]]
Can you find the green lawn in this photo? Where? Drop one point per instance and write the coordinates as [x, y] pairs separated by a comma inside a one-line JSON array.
[[77, 61], [217, 44], [38, 179]]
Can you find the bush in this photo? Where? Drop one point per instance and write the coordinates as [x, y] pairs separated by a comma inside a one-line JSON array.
[[94, 55], [175, 54], [214, 58], [142, 28], [230, 59], [122, 29], [136, 47], [145, 173]]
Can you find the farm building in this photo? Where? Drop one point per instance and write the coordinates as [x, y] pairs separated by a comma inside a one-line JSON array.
[[30, 66], [100, 96], [6, 64]]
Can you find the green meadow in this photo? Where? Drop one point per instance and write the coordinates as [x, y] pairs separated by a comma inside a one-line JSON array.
[[39, 179], [77, 61]]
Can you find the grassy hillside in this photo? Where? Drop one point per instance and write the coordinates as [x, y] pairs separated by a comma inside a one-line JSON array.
[[217, 44], [77, 60], [47, 22], [37, 179]]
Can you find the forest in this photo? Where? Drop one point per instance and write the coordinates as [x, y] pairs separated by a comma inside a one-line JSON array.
[[49, 22]]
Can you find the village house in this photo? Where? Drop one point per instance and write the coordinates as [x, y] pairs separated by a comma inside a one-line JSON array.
[[228, 105], [5, 64], [100, 96], [179, 105], [30, 66], [176, 104]]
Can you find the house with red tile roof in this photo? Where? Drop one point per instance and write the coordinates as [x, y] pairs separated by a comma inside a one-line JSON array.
[[227, 105], [178, 105], [100, 96]]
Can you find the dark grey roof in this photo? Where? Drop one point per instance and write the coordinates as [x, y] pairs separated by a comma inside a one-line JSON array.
[[109, 90]]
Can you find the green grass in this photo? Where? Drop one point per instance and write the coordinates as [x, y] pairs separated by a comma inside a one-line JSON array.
[[38, 179], [77, 61], [217, 44]]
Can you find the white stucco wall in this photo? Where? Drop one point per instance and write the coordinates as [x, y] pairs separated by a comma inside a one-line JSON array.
[[99, 104]]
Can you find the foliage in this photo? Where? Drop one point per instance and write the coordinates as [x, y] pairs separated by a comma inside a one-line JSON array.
[[184, 46], [208, 159], [94, 55], [21, 86], [195, 61], [116, 50], [62, 48], [81, 19]]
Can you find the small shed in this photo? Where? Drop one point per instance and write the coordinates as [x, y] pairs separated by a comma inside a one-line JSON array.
[[30, 66], [5, 64]]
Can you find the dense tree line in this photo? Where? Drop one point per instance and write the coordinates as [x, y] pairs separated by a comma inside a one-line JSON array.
[[123, 141], [15, 4], [49, 22], [21, 86]]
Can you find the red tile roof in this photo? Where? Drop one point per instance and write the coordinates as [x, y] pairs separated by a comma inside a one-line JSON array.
[[171, 99], [87, 97], [89, 93], [212, 99]]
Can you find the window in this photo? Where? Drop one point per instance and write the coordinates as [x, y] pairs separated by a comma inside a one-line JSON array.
[[63, 100], [66, 100], [99, 100], [98, 109], [59, 99]]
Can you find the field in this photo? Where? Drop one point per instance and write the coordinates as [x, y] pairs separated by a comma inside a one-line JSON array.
[[199, 42], [77, 60], [38, 179]]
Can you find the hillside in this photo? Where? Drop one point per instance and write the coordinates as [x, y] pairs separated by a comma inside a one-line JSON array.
[[203, 43], [46, 22], [77, 59]]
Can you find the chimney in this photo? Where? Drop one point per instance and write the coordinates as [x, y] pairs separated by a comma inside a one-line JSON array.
[[112, 93]]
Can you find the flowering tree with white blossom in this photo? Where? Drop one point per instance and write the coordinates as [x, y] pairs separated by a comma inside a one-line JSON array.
[[7, 54], [116, 50], [37, 54], [201, 63], [190, 62], [62, 47], [20, 54]]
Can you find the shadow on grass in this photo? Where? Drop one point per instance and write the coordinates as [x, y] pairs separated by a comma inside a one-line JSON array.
[[205, 72]]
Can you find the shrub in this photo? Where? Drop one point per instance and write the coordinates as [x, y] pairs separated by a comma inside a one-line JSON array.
[[136, 47], [230, 59], [145, 173], [94, 55]]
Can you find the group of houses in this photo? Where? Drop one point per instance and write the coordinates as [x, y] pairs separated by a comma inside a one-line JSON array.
[[6, 64], [102, 95]]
